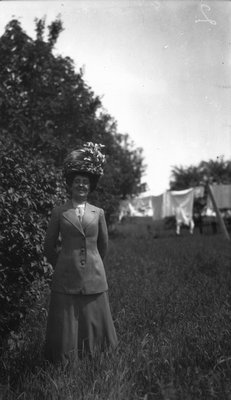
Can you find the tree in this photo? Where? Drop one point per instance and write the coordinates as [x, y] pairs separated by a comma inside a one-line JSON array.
[[218, 171], [45, 104], [47, 107], [185, 177]]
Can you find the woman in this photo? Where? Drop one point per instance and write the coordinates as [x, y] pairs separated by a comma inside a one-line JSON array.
[[79, 318]]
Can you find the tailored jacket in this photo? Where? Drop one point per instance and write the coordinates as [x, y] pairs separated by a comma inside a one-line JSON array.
[[78, 265]]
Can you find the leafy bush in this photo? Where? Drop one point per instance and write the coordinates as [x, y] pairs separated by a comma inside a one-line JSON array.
[[29, 189]]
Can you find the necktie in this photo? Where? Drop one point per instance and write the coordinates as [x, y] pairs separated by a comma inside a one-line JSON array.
[[80, 212]]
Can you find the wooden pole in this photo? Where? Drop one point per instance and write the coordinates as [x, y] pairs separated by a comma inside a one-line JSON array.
[[218, 214]]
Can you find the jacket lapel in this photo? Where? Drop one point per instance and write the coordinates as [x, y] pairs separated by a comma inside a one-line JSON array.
[[89, 216], [70, 215]]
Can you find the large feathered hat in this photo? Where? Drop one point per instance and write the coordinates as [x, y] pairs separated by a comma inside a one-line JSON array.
[[87, 159]]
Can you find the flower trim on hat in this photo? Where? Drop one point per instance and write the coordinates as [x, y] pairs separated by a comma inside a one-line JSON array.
[[87, 158]]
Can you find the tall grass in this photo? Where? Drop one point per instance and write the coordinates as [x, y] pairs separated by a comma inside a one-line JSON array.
[[171, 302]]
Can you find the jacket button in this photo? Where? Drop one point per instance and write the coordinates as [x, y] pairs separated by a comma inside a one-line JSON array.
[[82, 262]]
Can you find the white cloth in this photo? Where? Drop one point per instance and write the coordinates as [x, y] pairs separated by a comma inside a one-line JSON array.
[[183, 204], [157, 205], [180, 204], [143, 205], [167, 208], [177, 203], [79, 209]]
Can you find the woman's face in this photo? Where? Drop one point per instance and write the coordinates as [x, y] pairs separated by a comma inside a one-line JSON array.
[[80, 187]]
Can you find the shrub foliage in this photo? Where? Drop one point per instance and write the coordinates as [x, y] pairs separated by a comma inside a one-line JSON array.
[[30, 188]]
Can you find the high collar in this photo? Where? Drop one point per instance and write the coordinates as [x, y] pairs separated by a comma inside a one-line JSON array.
[[76, 204]]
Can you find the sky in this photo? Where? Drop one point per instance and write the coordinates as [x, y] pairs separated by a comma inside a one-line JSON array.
[[161, 68]]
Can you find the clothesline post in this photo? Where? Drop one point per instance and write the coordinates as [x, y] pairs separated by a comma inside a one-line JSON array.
[[218, 214]]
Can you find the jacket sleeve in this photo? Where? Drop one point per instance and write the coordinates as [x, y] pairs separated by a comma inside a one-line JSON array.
[[102, 242], [51, 238]]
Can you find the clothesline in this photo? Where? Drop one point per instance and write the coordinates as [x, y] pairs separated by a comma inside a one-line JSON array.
[[174, 203]]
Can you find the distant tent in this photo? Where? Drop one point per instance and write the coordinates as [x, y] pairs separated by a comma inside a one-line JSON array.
[[222, 196]]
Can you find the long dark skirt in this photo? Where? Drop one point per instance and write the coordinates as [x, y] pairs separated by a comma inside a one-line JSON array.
[[78, 324]]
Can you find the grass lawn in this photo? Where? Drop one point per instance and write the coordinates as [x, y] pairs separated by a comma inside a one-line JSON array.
[[171, 301]]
